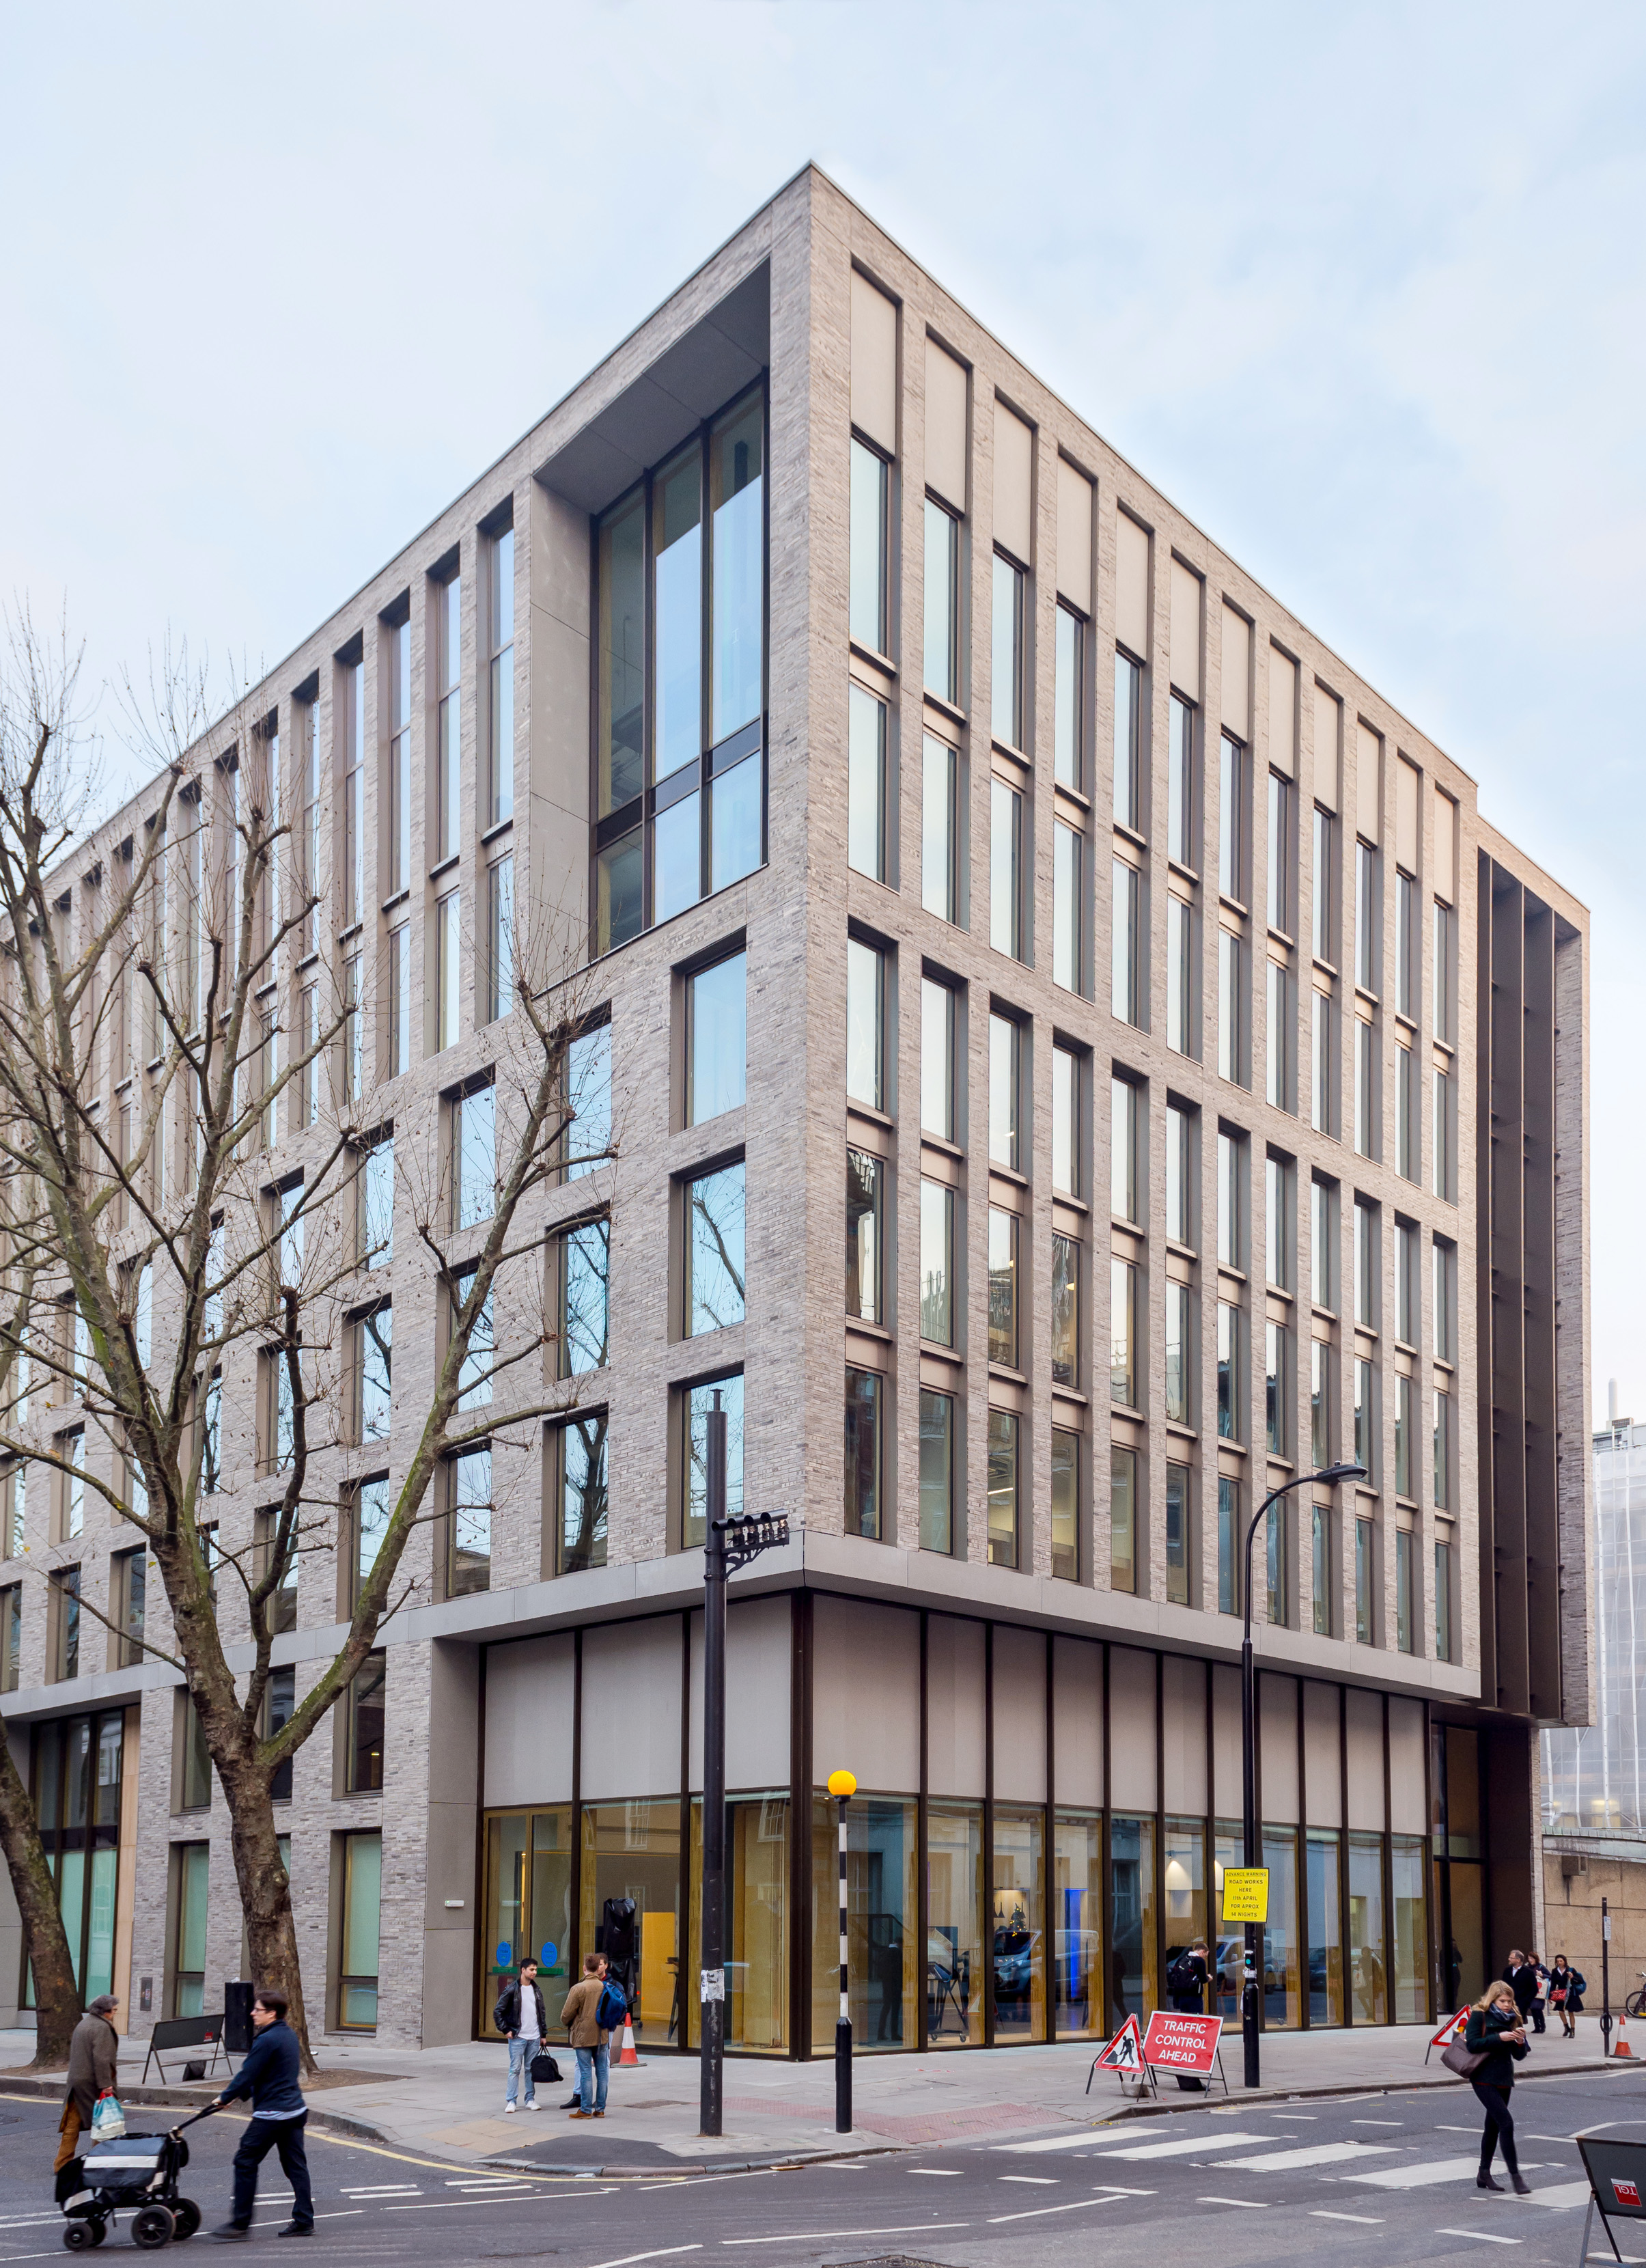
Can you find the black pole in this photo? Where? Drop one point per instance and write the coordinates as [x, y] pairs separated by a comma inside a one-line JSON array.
[[1606, 1979], [712, 1981], [842, 2028], [1248, 1792]]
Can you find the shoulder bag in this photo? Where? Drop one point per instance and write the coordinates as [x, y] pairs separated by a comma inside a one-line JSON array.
[[1463, 2060]]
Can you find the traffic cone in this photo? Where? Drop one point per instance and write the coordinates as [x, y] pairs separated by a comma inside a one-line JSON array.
[[1623, 2047], [628, 2055]]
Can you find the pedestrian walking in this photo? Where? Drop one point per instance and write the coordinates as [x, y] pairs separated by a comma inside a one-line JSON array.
[[1496, 2031], [1567, 1987], [581, 2016], [1541, 1976], [1522, 1980], [1186, 1980], [270, 2076], [93, 2052], [520, 2017]]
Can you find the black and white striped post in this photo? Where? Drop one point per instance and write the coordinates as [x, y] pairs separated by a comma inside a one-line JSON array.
[[843, 1786]]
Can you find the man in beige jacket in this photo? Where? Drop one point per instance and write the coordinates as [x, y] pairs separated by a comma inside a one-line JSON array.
[[93, 2052], [589, 2042]]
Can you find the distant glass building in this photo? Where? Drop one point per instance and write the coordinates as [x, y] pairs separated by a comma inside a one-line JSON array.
[[1594, 1776]]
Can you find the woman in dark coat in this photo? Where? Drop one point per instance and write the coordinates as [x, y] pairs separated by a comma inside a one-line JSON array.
[[1497, 2031], [93, 2052], [1566, 1993]]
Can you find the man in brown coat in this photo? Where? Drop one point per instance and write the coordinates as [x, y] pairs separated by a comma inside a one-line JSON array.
[[589, 2042], [93, 2052]]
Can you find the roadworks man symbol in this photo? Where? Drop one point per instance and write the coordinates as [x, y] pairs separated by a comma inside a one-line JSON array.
[[1124, 2050]]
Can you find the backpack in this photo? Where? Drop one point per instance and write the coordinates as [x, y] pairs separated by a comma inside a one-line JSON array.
[[1181, 1977], [612, 2008]]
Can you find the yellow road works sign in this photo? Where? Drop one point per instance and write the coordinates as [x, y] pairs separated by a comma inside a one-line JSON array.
[[1246, 1893]]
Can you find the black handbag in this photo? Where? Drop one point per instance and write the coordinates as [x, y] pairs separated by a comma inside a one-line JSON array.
[[544, 2070]]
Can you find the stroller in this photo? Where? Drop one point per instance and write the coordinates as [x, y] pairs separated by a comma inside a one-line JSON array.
[[137, 2176]]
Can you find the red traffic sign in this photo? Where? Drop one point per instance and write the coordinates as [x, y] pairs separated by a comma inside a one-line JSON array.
[[1124, 2051], [1449, 2029], [1175, 2043]]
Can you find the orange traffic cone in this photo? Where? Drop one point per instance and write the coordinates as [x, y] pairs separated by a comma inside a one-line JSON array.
[[628, 2054], [1623, 2047]]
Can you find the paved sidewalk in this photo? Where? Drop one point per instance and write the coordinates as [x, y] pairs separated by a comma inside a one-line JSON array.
[[448, 2102]]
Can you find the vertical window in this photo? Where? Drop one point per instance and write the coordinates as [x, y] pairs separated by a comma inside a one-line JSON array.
[[1276, 1554], [1283, 1032], [1065, 1506], [357, 1980], [1067, 745], [309, 834], [1230, 1382], [279, 1703], [1180, 1176], [865, 773], [188, 1967], [1177, 1534], [1405, 1113], [1231, 1201], [398, 1002], [1232, 829], [13, 1509], [1179, 976], [1320, 1403], [1443, 1450], [1180, 836], [474, 1375], [1367, 912], [354, 794], [1002, 1489], [397, 660], [939, 858], [1277, 1390], [1281, 910], [1443, 1258], [1320, 1078], [352, 1069], [865, 1012], [468, 1565], [1442, 1603], [1123, 1379], [717, 1038], [1065, 1311], [1406, 946], [586, 1306], [696, 1405], [1407, 1245], [1067, 847], [1280, 1184], [71, 1449], [500, 680], [1066, 1122], [936, 1471], [1403, 1590], [936, 1264], [1178, 1379], [1005, 862], [1365, 1088], [864, 1389], [581, 1475], [499, 937], [1227, 1546], [375, 1213], [942, 642], [473, 1157], [12, 1638], [1443, 974], [714, 1267], [1445, 1185], [937, 1060], [1363, 1600], [1231, 1007], [863, 1175], [370, 1526], [1365, 1264], [1325, 878], [1126, 988], [1003, 1287], [1006, 660], [623, 652], [1403, 1485], [309, 1041], [448, 779], [871, 484], [374, 1374], [445, 957], [1128, 722], [1320, 1516], [1006, 1055], [66, 1600], [1122, 1520], [1124, 1194], [1365, 1419], [1323, 1243]]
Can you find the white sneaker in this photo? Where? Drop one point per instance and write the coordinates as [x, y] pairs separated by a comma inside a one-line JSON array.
[[509, 2109], [530, 2105]]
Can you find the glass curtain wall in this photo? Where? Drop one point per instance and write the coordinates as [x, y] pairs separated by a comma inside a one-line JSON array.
[[883, 1928], [1323, 1910], [631, 1853], [1134, 1938], [1018, 1923], [529, 1860], [954, 1925], [1184, 1886], [1368, 1977], [1077, 1925], [78, 1763]]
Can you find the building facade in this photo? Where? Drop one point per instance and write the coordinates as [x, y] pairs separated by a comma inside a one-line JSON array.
[[960, 835]]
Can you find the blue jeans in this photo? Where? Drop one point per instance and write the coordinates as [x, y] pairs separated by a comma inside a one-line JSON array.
[[520, 2054], [592, 2069]]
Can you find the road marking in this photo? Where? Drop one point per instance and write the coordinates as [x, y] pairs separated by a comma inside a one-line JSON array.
[[1080, 2141], [1417, 2177], [1309, 2117], [509, 2197], [1321, 2213], [1480, 2236], [384, 2189], [819, 2236], [1038, 2212], [1184, 2148], [1246, 2205], [1456, 2130], [953, 2173], [1563, 2194], [664, 2253], [1038, 2181], [1315, 2154], [1376, 2121]]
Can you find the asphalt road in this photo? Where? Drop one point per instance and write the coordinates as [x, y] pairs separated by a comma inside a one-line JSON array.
[[1372, 2179]]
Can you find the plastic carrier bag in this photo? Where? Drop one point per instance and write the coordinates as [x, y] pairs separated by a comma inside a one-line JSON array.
[[108, 2120]]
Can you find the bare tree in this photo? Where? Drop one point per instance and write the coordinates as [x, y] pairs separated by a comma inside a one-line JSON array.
[[169, 1001]]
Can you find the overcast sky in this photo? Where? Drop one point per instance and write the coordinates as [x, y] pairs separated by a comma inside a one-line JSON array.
[[1361, 287]]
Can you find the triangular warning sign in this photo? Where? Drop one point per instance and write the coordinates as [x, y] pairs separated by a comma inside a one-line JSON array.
[[1124, 2050], [1450, 2030]]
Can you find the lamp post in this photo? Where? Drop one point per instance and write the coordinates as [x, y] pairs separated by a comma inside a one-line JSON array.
[[1330, 1475], [843, 1787], [727, 1543]]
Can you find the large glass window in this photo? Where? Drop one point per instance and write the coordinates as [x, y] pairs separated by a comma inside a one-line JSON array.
[[1229, 1540], [1282, 2008], [1067, 926], [937, 1060], [864, 1179], [865, 1393], [696, 1405], [1065, 1311], [871, 484], [1128, 726], [1368, 1981], [1067, 749], [1065, 1506], [1282, 1037], [954, 1925], [1125, 1112], [1180, 1175], [1178, 1378], [1176, 1537], [1018, 1924], [1282, 911], [1325, 882], [1181, 843], [1368, 916], [939, 828], [1230, 1373], [714, 1250], [1006, 667], [1407, 946], [1320, 1539], [936, 1471], [375, 1372], [1065, 1121], [585, 1313], [448, 786], [716, 1039], [1078, 1937], [1126, 977], [865, 1015], [632, 1851], [367, 1713], [942, 642], [188, 1941], [1235, 788], [468, 1562], [1232, 1008], [396, 651], [1005, 1046], [1442, 1451], [1179, 976], [937, 1263], [1003, 1287], [587, 1138], [1184, 1886], [528, 1907], [866, 783], [580, 1472], [1004, 1489], [1322, 1037], [499, 783], [1411, 1930], [499, 941], [883, 1946], [1123, 1351], [1405, 1428], [1123, 1520], [1005, 869], [77, 1773], [1403, 1600], [1134, 1963], [474, 1156]]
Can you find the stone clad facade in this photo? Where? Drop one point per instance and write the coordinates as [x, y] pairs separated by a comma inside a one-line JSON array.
[[1015, 1621]]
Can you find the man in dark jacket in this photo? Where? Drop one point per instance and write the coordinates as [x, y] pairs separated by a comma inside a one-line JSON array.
[[270, 2076], [520, 2016], [1522, 1980], [93, 2050]]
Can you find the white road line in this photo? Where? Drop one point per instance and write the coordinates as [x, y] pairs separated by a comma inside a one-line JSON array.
[[952, 2173], [1378, 2122], [1321, 2213], [664, 2253], [826, 2236], [1246, 2205], [1316, 2153], [1417, 2177], [1080, 2141], [1480, 2236], [1039, 2212], [1562, 2195], [1292, 2117], [1205, 2144], [1038, 2181]]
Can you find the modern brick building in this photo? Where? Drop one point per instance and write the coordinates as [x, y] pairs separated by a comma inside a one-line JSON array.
[[961, 837]]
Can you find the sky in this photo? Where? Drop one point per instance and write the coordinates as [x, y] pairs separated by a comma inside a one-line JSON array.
[[1360, 287]]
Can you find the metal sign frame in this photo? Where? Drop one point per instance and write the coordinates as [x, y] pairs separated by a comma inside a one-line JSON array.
[[1617, 2187]]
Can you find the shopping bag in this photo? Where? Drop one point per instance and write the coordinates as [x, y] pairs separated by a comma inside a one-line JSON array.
[[108, 2120]]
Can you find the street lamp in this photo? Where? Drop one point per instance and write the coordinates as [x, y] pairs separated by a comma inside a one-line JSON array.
[[1329, 1476], [843, 1787], [727, 1543]]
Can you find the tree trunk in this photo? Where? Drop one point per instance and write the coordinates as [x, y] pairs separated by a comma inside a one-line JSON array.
[[56, 1995], [266, 1892]]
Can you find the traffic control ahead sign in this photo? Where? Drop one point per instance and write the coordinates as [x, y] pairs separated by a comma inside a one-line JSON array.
[[1245, 1894], [1188, 2043]]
